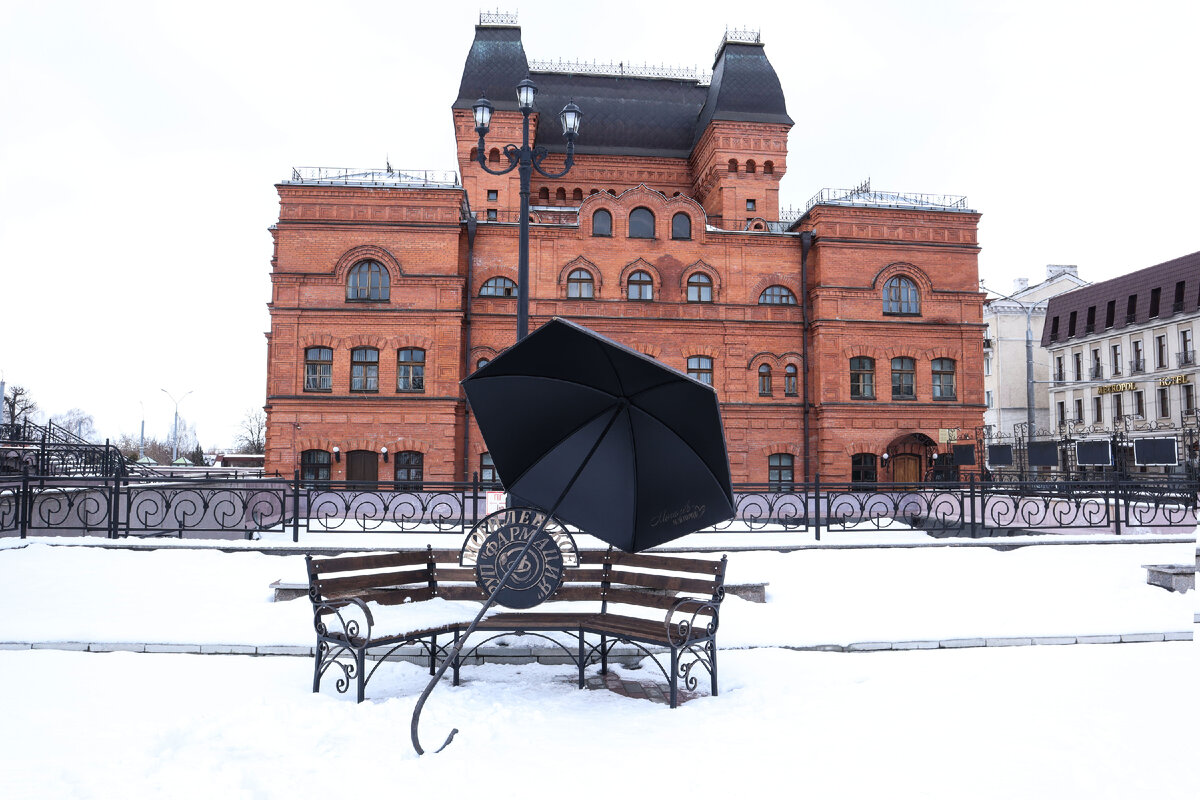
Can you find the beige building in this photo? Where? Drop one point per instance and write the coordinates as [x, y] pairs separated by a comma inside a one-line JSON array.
[[1004, 353], [1123, 356]]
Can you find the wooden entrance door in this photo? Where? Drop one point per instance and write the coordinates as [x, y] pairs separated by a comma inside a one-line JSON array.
[[362, 465], [906, 468]]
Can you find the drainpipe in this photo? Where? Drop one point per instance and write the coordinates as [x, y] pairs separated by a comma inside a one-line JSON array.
[[806, 239], [471, 227]]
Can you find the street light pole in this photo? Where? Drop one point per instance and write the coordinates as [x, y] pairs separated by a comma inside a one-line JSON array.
[[1028, 354], [175, 434], [525, 160]]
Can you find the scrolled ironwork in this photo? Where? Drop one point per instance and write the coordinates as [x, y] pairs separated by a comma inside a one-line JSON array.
[[680, 633]]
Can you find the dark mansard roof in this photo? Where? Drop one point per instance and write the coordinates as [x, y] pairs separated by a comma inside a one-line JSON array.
[[625, 114]]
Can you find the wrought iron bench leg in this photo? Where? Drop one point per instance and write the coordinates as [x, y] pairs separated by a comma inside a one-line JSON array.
[[674, 677], [317, 667], [581, 658], [433, 654], [457, 658], [603, 654], [712, 659], [360, 657]]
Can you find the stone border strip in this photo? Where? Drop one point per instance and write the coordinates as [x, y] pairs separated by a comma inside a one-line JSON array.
[[627, 656]]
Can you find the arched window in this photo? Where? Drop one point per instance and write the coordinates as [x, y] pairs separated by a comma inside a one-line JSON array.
[[777, 296], [862, 378], [410, 470], [498, 287], [577, 195], [862, 468], [368, 280], [314, 465], [544, 194], [580, 284], [900, 296], [641, 286], [318, 369], [733, 165], [791, 381], [494, 156], [681, 226], [560, 195], [943, 380], [768, 168], [641, 223], [701, 368], [410, 370], [483, 362], [904, 374], [364, 369], [601, 223], [474, 154], [751, 167], [780, 471], [764, 381], [699, 288]]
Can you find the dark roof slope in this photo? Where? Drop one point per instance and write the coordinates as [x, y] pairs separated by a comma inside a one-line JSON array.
[[1163, 276], [623, 114]]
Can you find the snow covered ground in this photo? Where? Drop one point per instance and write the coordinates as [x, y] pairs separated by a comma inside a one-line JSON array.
[[1094, 721]]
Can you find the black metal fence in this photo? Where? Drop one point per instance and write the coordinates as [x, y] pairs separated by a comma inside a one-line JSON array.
[[202, 507]]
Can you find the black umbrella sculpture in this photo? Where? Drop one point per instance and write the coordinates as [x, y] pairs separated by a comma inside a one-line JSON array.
[[602, 437]]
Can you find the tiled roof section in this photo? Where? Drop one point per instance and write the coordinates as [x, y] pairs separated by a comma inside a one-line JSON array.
[[621, 115], [495, 65], [744, 88], [625, 115], [1163, 277]]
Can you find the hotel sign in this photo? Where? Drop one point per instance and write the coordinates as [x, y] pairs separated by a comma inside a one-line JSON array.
[[1172, 380], [1116, 387]]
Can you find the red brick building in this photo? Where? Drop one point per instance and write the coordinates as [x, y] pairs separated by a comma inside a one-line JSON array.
[[389, 287]]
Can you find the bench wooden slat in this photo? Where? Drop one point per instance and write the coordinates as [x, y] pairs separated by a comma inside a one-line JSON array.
[[635, 597], [461, 592], [388, 597], [584, 593], [466, 574], [670, 562], [325, 566], [665, 582], [413, 577]]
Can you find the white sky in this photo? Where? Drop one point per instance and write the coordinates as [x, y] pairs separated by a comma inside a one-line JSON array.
[[140, 143]]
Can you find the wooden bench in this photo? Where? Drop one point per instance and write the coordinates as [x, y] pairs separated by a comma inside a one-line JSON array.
[[659, 604]]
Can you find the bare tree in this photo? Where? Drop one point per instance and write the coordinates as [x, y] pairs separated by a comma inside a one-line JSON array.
[[18, 405], [251, 437], [78, 422]]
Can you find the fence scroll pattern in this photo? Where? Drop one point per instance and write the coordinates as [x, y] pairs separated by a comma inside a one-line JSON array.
[[132, 506]]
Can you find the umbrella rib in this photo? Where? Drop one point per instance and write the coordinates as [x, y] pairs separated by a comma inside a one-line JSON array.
[[683, 440]]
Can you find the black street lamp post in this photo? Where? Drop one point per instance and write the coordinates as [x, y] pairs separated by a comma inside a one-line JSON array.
[[525, 159]]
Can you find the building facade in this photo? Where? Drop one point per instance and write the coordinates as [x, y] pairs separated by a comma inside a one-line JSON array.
[[1008, 321], [845, 340], [1123, 357]]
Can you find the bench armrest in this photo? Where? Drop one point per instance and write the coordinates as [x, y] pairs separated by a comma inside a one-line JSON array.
[[686, 627], [348, 612]]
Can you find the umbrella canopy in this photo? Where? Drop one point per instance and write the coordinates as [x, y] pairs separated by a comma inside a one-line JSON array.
[[606, 438]]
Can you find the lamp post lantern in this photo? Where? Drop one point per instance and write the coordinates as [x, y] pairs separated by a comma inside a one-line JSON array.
[[525, 159], [175, 433]]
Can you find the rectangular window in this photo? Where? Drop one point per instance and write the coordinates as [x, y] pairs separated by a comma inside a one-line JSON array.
[[862, 378], [1118, 411], [364, 370], [1160, 352], [1054, 329], [491, 215], [904, 373], [943, 379], [1060, 373], [1178, 306], [1155, 296], [1097, 409], [318, 369], [487, 470], [492, 194], [1139, 404], [1097, 370], [1091, 319], [1115, 353], [987, 365], [1078, 366], [701, 368], [987, 398], [1187, 356], [863, 468], [410, 370], [751, 205], [780, 471], [1164, 402], [1079, 410], [1189, 398], [1071, 325], [1110, 313], [1131, 310], [1138, 363], [1062, 412]]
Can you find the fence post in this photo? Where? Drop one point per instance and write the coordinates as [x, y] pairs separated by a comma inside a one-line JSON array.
[[295, 506], [972, 501], [817, 505], [113, 503], [474, 499], [23, 503], [1117, 501]]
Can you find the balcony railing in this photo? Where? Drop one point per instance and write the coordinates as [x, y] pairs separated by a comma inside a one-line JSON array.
[[1137, 365], [1096, 372], [1186, 358], [386, 176], [1116, 369], [1059, 378]]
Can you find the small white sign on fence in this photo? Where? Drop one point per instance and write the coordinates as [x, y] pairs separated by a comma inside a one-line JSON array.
[[496, 501]]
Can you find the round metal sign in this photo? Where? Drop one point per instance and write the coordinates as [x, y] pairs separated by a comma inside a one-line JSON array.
[[536, 576]]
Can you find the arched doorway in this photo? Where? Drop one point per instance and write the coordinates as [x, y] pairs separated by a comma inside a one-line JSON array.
[[908, 457], [906, 468]]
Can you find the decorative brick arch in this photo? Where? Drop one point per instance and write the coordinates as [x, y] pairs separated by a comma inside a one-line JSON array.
[[707, 269], [414, 340], [910, 271], [579, 262], [482, 351], [780, 446], [944, 352], [313, 443], [366, 340], [862, 350], [367, 251], [402, 443], [485, 274], [320, 340], [770, 359], [855, 446], [646, 348], [701, 350], [776, 279], [648, 268]]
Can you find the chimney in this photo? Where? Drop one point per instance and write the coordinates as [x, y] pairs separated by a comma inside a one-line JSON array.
[[1021, 284], [1054, 270]]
